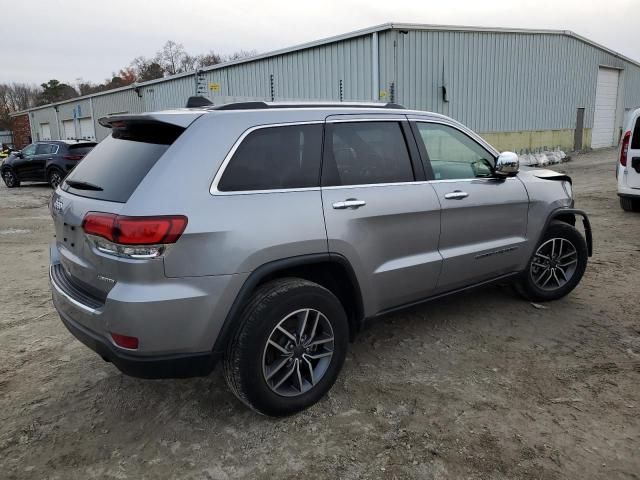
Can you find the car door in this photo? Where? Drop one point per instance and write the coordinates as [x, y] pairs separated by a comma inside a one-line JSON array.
[[22, 165], [379, 212], [44, 153], [484, 219]]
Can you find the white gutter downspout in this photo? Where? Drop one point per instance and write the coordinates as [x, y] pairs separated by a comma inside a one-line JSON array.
[[93, 120], [55, 109], [375, 72]]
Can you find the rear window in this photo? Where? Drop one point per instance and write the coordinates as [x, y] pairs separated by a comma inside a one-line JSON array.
[[635, 140], [115, 167], [81, 148]]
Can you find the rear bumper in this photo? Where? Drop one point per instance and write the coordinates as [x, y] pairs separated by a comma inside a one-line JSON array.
[[176, 320], [162, 366]]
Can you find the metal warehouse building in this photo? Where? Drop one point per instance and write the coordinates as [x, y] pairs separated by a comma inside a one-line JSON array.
[[521, 89]]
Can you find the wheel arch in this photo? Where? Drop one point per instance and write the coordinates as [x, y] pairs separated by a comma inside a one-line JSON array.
[[330, 270], [569, 215]]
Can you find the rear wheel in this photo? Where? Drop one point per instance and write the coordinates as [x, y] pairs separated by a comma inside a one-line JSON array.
[[10, 178], [55, 177], [557, 265], [629, 204], [289, 347]]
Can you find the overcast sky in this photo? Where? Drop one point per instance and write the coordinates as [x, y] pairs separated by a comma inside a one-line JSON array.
[[90, 39]]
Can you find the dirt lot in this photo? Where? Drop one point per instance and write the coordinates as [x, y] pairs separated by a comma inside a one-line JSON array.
[[483, 385]]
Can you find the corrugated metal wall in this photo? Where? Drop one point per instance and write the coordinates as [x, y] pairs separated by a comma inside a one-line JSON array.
[[495, 81], [124, 101], [44, 116], [499, 82], [314, 73]]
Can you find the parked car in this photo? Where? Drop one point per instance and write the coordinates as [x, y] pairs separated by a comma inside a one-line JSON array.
[[267, 235], [48, 161], [628, 168]]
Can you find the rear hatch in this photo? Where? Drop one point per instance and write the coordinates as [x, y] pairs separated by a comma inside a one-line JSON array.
[[633, 153], [103, 182]]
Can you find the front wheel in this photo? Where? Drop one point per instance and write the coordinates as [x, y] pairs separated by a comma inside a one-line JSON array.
[[556, 266], [289, 348]]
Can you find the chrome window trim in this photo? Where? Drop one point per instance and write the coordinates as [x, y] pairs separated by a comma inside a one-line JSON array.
[[213, 190], [68, 297], [469, 133], [355, 120]]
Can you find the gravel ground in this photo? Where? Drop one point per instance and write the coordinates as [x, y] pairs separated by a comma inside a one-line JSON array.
[[483, 385]]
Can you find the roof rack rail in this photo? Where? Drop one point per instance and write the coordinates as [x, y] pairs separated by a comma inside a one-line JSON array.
[[264, 105]]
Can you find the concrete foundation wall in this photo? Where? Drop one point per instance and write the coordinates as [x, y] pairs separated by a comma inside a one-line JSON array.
[[531, 140]]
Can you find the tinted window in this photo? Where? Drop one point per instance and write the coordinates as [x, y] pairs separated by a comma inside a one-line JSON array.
[[362, 153], [29, 150], [452, 154], [46, 148], [81, 148], [635, 139], [117, 166], [274, 158]]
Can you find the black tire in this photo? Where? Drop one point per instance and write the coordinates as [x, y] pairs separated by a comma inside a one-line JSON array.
[[54, 177], [11, 180], [527, 285], [629, 204], [269, 305]]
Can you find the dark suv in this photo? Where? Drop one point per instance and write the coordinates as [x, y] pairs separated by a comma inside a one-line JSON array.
[[48, 161]]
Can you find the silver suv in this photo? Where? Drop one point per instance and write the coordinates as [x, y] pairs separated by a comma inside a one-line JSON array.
[[265, 235]]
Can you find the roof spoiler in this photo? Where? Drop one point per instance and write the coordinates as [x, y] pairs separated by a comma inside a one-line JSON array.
[[198, 101]]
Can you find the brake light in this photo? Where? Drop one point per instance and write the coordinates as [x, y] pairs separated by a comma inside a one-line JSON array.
[[73, 157], [125, 341], [133, 237], [625, 148]]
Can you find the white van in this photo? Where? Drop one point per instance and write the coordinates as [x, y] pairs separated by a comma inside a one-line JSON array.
[[628, 171]]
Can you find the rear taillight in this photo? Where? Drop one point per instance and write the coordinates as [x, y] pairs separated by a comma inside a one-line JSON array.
[[625, 148], [125, 341], [135, 237], [73, 157]]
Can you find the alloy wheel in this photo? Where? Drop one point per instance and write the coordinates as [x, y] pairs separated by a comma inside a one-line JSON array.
[[55, 179], [554, 264], [9, 178], [298, 352]]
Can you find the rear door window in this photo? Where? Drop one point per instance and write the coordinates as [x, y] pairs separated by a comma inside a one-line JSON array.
[[115, 167], [364, 153], [275, 158], [46, 149]]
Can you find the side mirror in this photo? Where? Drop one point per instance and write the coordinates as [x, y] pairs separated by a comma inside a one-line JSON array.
[[507, 164], [19, 154]]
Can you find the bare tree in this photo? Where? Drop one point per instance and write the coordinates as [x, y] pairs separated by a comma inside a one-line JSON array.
[[146, 69], [239, 55], [15, 97], [208, 59], [171, 57]]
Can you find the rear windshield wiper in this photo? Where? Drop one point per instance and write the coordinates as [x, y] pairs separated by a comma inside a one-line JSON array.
[[83, 185]]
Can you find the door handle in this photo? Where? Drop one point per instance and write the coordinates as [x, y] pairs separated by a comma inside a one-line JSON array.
[[456, 195], [349, 203]]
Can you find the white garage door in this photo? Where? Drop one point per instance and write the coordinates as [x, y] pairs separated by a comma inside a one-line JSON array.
[[68, 129], [604, 118], [86, 128], [45, 131]]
